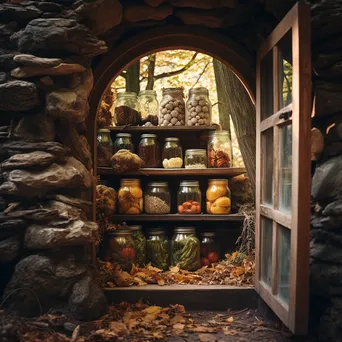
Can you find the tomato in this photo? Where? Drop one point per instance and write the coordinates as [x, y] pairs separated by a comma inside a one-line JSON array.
[[127, 253], [213, 257], [204, 261], [204, 250]]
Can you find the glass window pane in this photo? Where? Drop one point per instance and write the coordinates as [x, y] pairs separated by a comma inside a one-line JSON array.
[[285, 70], [266, 251], [284, 247], [285, 168], [266, 91], [267, 167]]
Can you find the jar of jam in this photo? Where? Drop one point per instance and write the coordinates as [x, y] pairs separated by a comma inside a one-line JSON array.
[[104, 147], [218, 197], [219, 150], [172, 155], [149, 150], [189, 198], [130, 197], [209, 249], [123, 141]]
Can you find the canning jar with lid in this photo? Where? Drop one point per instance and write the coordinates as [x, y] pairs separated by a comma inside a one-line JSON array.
[[104, 147], [198, 108], [130, 196], [140, 245], [123, 141], [210, 251], [219, 150], [149, 150], [172, 107], [195, 159], [172, 155], [128, 99], [148, 103], [185, 249], [157, 199], [121, 248], [189, 198], [158, 248], [218, 197]]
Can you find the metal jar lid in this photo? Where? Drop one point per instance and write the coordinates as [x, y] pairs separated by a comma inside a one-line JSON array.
[[135, 228], [122, 231], [124, 135], [189, 183], [200, 90], [196, 151], [143, 136], [103, 130], [187, 230], [208, 234], [171, 139], [155, 231], [158, 184], [218, 180]]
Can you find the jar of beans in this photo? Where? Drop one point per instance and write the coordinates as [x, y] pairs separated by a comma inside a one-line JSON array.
[[172, 107], [198, 108], [189, 198]]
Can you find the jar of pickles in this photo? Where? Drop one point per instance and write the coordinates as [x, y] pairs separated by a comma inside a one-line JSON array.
[[218, 197], [158, 248], [172, 107], [198, 108], [148, 103], [149, 150], [104, 147], [172, 155], [185, 249], [209, 249], [157, 198], [195, 159], [130, 197], [189, 198], [123, 141], [121, 248], [219, 150], [140, 245]]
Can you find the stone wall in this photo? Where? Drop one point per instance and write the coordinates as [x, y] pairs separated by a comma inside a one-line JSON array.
[[47, 52]]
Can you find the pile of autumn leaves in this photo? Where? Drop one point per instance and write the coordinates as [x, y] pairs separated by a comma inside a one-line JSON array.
[[237, 269]]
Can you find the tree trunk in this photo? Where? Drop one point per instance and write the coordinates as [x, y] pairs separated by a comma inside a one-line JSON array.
[[242, 111], [133, 78], [151, 67]]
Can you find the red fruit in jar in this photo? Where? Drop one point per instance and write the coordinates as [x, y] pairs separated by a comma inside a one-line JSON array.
[[204, 250], [127, 253], [205, 261], [213, 257]]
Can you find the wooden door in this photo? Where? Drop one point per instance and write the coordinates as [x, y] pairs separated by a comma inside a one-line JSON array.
[[283, 173]]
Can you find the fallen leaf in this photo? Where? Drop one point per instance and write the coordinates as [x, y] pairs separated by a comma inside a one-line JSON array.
[[139, 282], [207, 338], [174, 269], [228, 331], [178, 328], [118, 328], [202, 329], [152, 309], [230, 319], [157, 335], [177, 319], [161, 282]]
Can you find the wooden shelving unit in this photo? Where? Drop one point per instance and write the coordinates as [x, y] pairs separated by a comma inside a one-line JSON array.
[[177, 129]]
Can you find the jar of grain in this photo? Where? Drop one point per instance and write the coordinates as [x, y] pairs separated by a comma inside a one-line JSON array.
[[172, 107], [198, 108], [189, 198], [218, 197], [104, 147], [195, 159], [149, 150], [130, 197], [157, 198], [172, 155], [123, 141]]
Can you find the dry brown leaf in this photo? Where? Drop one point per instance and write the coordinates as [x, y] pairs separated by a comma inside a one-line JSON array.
[[178, 328], [174, 269], [118, 328], [228, 331], [202, 329], [207, 338], [158, 335], [161, 282], [230, 319], [139, 281]]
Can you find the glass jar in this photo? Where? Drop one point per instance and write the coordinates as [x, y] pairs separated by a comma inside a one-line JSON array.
[[158, 248], [172, 155], [140, 245], [172, 107], [130, 197], [198, 108], [126, 110], [195, 159], [157, 199], [185, 249], [121, 248], [219, 150], [210, 251], [148, 103], [189, 198], [218, 197], [104, 147], [149, 150], [123, 141], [128, 99]]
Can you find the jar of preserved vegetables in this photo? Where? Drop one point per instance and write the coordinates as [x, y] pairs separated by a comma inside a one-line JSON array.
[[104, 147], [149, 150], [158, 248], [123, 141], [172, 107], [210, 251], [128, 99], [157, 198], [219, 150], [185, 249], [195, 159], [198, 108], [121, 248], [130, 197], [189, 198], [140, 245], [218, 197], [172, 155], [148, 103]]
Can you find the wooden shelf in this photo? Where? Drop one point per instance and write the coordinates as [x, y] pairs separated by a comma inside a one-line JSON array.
[[161, 129], [222, 172], [178, 218]]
